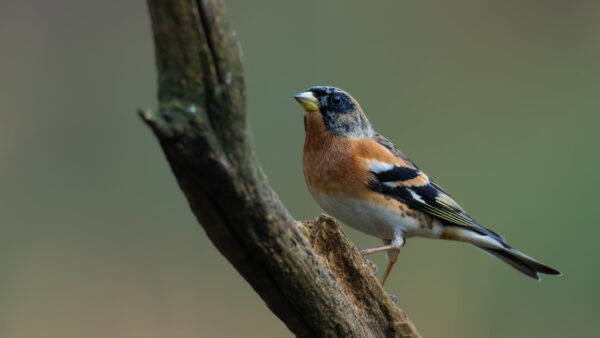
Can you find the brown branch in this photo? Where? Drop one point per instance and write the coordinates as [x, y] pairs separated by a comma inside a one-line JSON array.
[[308, 274]]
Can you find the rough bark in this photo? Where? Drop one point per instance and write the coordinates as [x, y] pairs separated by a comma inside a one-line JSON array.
[[308, 273]]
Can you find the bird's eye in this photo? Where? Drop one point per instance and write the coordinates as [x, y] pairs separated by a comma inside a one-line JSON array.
[[336, 99]]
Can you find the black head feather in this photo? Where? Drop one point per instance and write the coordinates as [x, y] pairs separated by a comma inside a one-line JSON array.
[[341, 114]]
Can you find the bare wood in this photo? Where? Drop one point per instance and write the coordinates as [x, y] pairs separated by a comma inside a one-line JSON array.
[[308, 274]]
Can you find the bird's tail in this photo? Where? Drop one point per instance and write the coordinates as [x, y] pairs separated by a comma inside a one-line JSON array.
[[496, 246], [520, 261]]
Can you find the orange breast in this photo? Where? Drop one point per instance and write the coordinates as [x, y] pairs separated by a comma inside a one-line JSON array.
[[328, 162], [334, 165]]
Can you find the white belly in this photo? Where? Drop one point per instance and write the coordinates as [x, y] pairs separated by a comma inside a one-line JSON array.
[[372, 219]]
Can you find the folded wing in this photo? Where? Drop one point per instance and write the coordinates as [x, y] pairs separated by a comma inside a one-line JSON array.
[[410, 185]]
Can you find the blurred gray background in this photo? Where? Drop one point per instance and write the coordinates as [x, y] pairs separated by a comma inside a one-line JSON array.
[[496, 100]]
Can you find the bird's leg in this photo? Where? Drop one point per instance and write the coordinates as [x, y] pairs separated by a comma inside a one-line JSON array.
[[392, 247], [372, 264], [382, 248], [392, 258]]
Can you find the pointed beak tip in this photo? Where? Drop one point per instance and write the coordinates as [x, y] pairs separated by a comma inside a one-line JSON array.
[[308, 101]]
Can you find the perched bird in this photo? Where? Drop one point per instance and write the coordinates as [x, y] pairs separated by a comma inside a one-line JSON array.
[[359, 177]]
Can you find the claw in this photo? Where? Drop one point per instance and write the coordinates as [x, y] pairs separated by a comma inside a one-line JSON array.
[[373, 266], [394, 299]]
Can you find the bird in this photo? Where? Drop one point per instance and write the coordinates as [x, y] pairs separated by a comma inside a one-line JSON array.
[[358, 176]]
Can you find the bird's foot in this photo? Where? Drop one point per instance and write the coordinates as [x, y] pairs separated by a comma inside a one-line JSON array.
[[373, 266]]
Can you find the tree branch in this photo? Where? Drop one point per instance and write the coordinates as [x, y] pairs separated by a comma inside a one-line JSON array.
[[308, 273]]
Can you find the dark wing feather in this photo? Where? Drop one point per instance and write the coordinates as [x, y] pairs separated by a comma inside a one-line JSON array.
[[387, 144]]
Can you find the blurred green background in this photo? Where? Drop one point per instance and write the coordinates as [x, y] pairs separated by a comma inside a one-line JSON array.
[[496, 100]]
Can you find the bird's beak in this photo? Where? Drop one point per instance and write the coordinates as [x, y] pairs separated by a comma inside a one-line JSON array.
[[308, 101]]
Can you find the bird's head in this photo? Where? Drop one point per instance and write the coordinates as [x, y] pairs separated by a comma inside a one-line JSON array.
[[341, 114]]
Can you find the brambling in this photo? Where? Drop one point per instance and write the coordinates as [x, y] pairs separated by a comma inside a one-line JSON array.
[[359, 177]]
